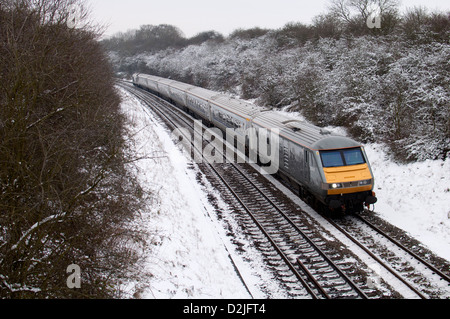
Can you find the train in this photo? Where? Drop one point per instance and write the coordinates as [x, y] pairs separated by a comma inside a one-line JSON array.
[[325, 169]]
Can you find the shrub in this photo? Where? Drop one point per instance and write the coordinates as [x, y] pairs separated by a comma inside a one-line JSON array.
[[65, 194]]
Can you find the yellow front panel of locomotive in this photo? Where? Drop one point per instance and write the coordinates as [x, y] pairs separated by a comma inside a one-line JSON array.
[[349, 177]]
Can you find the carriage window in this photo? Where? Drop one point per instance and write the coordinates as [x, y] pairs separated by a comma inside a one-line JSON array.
[[345, 157]]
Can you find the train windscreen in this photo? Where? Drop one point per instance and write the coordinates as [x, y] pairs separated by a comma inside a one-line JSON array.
[[346, 157]]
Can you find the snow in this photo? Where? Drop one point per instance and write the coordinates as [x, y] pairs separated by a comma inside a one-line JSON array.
[[191, 255], [188, 258], [414, 197]]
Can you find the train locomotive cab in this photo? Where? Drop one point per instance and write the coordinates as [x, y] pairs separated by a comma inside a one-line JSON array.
[[347, 178]]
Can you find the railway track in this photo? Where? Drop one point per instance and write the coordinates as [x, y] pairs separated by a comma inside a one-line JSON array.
[[301, 250], [418, 274], [297, 249]]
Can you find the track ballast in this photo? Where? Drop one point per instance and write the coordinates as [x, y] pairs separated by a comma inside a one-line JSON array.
[[306, 259]]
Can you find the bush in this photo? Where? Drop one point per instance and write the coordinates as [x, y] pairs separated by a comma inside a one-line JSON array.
[[248, 34], [385, 85], [65, 194]]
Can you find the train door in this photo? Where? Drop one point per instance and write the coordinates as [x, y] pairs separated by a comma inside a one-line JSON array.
[[306, 165]]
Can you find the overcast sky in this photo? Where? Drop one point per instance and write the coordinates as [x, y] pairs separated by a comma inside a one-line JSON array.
[[225, 16]]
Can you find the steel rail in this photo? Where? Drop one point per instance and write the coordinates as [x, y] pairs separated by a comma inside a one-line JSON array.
[[271, 240], [377, 259], [304, 268], [144, 97], [258, 224], [404, 248], [306, 237]]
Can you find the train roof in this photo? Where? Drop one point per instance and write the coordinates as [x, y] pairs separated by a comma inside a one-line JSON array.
[[303, 133], [335, 142], [298, 131], [237, 106], [180, 85]]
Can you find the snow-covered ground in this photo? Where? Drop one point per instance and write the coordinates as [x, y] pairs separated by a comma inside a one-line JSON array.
[[187, 258], [414, 197], [191, 255]]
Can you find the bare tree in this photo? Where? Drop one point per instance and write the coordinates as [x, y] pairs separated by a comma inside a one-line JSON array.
[[356, 13], [65, 195]]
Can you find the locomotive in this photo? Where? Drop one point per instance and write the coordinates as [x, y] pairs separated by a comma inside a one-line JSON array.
[[326, 169]]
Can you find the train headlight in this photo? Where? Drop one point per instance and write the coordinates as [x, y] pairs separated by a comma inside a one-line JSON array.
[[336, 185], [366, 182]]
